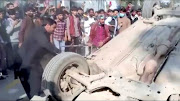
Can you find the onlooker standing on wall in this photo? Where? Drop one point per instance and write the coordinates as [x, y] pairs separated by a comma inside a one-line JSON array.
[[73, 29], [59, 33], [99, 34]]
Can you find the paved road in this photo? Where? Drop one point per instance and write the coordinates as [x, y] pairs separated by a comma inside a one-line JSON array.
[[10, 89]]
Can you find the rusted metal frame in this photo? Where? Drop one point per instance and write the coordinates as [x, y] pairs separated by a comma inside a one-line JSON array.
[[83, 78], [125, 87], [78, 46], [134, 89]]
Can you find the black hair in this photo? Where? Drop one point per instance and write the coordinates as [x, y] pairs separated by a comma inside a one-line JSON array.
[[129, 2], [41, 8], [80, 9], [115, 10], [101, 10], [1, 10], [139, 10], [63, 7], [38, 15], [73, 9], [109, 10], [12, 12], [91, 9], [123, 9], [48, 21], [52, 10], [29, 8], [66, 12], [133, 10], [9, 4], [58, 11]]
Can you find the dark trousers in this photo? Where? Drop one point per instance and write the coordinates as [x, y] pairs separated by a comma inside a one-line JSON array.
[[16, 61], [31, 77], [9, 55], [15, 49], [2, 58], [74, 41]]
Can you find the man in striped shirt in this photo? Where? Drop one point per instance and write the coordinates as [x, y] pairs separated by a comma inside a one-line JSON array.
[[59, 33]]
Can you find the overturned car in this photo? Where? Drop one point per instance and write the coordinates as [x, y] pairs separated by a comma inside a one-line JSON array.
[[144, 65]]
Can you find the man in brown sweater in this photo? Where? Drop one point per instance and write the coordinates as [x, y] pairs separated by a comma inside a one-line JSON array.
[[27, 25], [123, 20]]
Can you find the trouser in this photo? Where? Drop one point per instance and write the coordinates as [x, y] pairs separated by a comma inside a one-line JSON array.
[[9, 55], [87, 48], [16, 62], [94, 49], [31, 77], [15, 50], [60, 44], [2, 58], [74, 41]]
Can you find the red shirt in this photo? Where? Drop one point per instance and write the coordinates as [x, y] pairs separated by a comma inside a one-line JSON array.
[[100, 36]]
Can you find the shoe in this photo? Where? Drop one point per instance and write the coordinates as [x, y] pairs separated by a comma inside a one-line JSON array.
[[4, 72], [2, 77]]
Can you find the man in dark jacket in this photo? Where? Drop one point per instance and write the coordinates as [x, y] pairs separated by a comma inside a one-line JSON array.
[[31, 52]]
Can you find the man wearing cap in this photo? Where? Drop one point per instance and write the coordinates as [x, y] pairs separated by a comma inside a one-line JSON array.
[[99, 34]]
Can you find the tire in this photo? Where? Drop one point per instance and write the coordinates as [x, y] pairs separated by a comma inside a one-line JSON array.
[[174, 97], [147, 10], [56, 68]]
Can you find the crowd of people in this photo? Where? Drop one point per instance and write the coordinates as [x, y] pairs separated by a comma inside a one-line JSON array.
[[55, 30]]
